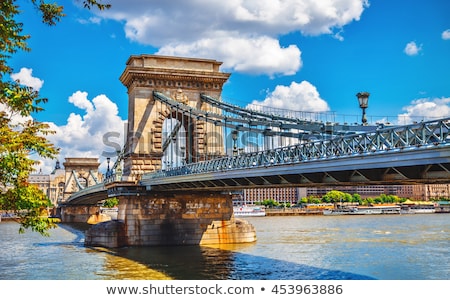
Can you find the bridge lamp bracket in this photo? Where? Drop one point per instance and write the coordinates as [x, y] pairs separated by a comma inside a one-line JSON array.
[[234, 136], [363, 99]]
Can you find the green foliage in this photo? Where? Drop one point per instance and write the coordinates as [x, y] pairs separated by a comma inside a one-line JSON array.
[[357, 198], [387, 199], [270, 203], [30, 205], [90, 3], [111, 202], [51, 12], [336, 196], [311, 200], [21, 135]]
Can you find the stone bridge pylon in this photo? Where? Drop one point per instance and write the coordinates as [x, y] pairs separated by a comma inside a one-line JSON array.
[[80, 173], [158, 136]]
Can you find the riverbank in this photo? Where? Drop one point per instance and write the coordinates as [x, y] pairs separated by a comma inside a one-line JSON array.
[[306, 212]]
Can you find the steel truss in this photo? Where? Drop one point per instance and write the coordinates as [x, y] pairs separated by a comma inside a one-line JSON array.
[[387, 140], [242, 119]]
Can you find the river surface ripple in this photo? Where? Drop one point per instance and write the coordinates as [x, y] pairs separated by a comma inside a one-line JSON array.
[[405, 247]]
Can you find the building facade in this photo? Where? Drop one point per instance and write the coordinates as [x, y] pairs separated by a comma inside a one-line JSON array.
[[51, 184], [292, 195], [78, 173]]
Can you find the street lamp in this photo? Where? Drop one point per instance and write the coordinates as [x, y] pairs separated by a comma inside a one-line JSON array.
[[108, 170], [234, 136], [363, 99]]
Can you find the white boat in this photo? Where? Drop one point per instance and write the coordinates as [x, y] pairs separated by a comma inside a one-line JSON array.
[[249, 211], [363, 210], [418, 210], [418, 207], [338, 211]]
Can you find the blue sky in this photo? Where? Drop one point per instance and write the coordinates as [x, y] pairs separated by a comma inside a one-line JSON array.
[[303, 55]]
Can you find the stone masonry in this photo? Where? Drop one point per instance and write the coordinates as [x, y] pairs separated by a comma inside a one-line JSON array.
[[180, 218], [183, 80]]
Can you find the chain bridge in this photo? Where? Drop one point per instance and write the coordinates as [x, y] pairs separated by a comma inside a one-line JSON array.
[[182, 138]]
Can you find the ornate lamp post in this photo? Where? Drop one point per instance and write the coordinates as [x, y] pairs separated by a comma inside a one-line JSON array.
[[108, 170], [234, 136], [363, 99]]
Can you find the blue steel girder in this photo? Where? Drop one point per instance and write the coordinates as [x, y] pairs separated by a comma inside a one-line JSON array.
[[286, 122], [246, 120], [421, 166], [426, 146], [251, 114]]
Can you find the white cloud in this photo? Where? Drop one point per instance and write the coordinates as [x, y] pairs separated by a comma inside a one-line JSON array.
[[92, 20], [412, 49], [80, 100], [425, 109], [243, 33], [25, 77], [446, 34], [301, 96], [260, 55], [98, 132]]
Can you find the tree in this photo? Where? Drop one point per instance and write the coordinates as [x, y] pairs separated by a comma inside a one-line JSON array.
[[270, 203], [336, 196], [357, 198], [20, 133], [111, 202]]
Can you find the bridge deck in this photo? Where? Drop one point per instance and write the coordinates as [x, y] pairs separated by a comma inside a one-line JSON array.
[[410, 154]]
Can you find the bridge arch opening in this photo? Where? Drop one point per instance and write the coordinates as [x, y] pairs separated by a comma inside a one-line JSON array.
[[163, 134], [83, 182], [174, 140]]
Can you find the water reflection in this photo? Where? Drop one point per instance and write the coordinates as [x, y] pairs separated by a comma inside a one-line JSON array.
[[223, 262], [63, 256]]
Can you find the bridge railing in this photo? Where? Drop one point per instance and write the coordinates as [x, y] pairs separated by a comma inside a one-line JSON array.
[[424, 134], [86, 191]]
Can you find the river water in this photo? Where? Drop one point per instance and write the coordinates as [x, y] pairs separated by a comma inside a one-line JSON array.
[[386, 247]]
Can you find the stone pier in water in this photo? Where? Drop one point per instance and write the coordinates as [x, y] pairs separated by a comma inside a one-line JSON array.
[[166, 218]]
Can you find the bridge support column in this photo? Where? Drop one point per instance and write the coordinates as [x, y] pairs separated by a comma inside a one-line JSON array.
[[77, 214], [172, 218]]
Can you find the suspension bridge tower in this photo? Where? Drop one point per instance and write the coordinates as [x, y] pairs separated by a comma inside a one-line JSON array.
[[158, 136]]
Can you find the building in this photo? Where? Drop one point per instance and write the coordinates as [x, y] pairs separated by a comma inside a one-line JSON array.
[[78, 173], [290, 195], [293, 195], [51, 184], [424, 192]]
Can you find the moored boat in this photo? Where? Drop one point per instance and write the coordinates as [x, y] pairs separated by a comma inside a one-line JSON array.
[[338, 211], [418, 210], [249, 211], [418, 207], [363, 210]]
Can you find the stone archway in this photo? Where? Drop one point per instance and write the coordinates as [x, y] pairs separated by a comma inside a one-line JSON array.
[[183, 80], [80, 173]]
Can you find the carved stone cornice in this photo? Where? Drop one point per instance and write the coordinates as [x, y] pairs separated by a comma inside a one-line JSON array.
[[179, 70]]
